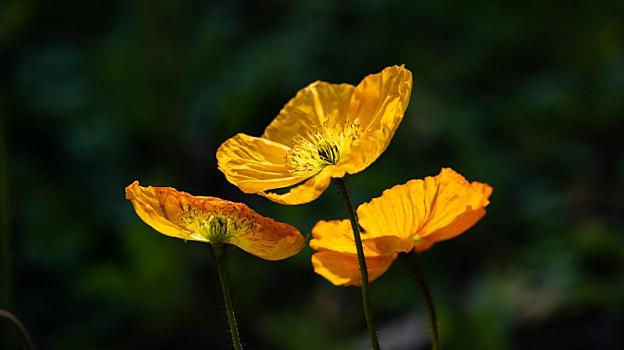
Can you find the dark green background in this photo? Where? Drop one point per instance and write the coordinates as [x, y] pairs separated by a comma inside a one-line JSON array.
[[528, 98]]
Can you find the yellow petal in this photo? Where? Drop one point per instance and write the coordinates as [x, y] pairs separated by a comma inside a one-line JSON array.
[[269, 239], [427, 211], [315, 107], [304, 193], [255, 164], [377, 106], [343, 269], [179, 214], [337, 236], [162, 208]]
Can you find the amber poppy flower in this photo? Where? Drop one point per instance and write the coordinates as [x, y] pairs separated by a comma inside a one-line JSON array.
[[213, 220], [411, 216], [326, 130]]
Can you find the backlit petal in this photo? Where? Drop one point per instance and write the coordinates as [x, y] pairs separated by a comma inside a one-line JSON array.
[[179, 214], [315, 107], [255, 164], [269, 239], [427, 211], [343, 269], [337, 236], [305, 192], [162, 208], [377, 106]]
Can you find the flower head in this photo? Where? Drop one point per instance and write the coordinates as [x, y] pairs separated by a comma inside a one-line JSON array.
[[411, 216], [326, 130], [213, 220]]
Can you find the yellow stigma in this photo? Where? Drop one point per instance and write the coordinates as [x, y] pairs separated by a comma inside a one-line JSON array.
[[310, 153], [216, 228]]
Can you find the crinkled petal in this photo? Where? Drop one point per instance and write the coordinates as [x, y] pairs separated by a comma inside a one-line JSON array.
[[255, 164], [337, 236], [479, 199], [178, 214], [269, 239], [343, 269], [428, 210], [377, 106], [315, 107], [162, 208], [305, 192]]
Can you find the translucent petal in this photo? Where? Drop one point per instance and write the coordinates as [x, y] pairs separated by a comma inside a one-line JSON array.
[[343, 269], [162, 209], [428, 210], [337, 236], [305, 192], [179, 214], [315, 107], [377, 106], [255, 164], [269, 239]]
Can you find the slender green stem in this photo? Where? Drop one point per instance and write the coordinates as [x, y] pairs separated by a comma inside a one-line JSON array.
[[435, 334], [355, 226], [26, 340], [6, 269], [227, 298]]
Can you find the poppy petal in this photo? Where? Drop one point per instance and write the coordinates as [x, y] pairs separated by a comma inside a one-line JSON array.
[[315, 107], [337, 236], [255, 164], [427, 211], [377, 107], [269, 239], [343, 269], [162, 208], [305, 192]]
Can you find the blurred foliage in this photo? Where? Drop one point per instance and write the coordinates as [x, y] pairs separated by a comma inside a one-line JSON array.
[[527, 97]]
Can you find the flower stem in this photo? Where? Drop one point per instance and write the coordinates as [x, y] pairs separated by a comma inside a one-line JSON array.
[[420, 281], [26, 340], [355, 226], [217, 249]]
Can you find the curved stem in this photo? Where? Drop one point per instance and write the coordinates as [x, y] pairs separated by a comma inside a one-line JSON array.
[[435, 334], [355, 226], [217, 249], [28, 343]]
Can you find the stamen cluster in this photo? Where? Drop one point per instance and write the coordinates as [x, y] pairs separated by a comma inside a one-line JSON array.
[[310, 153]]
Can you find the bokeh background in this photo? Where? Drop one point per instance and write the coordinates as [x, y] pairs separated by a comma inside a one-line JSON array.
[[527, 97]]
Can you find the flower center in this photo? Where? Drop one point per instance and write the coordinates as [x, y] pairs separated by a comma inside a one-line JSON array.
[[310, 153], [216, 228]]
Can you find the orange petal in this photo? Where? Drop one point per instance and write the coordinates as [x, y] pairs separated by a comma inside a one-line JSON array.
[[377, 106], [179, 214], [343, 269], [315, 107], [429, 210], [162, 208], [305, 192], [255, 164], [337, 236], [269, 239]]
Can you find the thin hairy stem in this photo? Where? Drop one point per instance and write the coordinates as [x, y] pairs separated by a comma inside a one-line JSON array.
[[26, 340], [420, 281], [355, 226], [227, 297]]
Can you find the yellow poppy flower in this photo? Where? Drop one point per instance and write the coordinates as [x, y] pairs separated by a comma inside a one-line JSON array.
[[325, 131], [411, 216], [213, 220]]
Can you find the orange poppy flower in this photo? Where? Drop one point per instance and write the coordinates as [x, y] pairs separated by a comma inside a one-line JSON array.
[[326, 130], [213, 220], [411, 216]]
